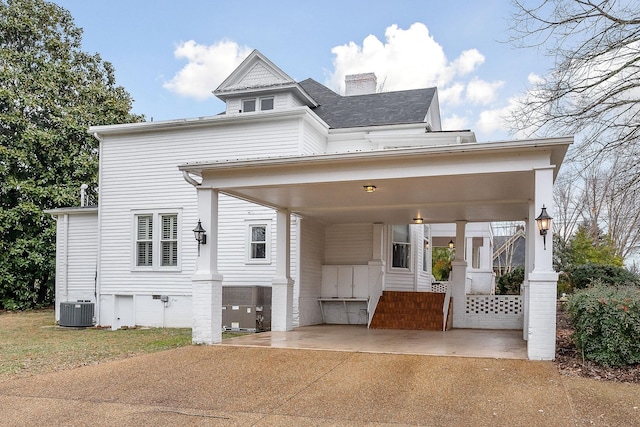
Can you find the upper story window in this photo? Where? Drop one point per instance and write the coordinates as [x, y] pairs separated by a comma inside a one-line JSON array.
[[266, 104], [248, 105], [251, 104], [156, 243], [400, 246]]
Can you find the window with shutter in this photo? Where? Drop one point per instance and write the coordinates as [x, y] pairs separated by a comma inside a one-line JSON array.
[[144, 240], [156, 237], [169, 240]]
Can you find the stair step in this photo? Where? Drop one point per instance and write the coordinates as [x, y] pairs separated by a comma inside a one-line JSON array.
[[409, 310]]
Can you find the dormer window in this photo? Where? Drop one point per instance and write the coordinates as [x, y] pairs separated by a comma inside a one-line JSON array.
[[250, 105], [266, 104]]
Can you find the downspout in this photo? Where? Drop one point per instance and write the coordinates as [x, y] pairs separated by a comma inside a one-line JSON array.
[[66, 257], [190, 179], [96, 283]]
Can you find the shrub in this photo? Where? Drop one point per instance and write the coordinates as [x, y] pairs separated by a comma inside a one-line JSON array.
[[607, 323], [583, 275], [509, 283]]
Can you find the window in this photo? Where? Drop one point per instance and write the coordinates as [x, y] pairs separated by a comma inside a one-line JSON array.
[[144, 240], [258, 246], [251, 105], [156, 241], [401, 246], [169, 240], [266, 104], [258, 242], [248, 105]]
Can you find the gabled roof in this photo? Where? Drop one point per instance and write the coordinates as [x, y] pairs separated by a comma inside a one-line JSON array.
[[257, 74], [385, 108]]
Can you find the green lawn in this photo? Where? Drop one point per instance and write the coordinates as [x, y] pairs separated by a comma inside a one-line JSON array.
[[31, 343]]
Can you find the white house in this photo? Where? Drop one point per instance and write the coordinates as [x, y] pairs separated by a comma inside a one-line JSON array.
[[328, 200]]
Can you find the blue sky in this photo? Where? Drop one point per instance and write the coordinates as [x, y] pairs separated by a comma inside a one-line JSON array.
[[170, 55]]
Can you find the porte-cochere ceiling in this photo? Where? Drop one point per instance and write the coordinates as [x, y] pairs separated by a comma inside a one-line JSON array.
[[472, 182]]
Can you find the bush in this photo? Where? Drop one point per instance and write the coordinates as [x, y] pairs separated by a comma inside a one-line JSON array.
[[509, 283], [582, 275], [607, 323]]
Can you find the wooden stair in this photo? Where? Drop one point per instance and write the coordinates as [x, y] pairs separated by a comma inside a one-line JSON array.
[[410, 310]]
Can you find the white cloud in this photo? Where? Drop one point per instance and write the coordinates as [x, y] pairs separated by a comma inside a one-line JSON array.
[[535, 79], [494, 122], [408, 59], [454, 122], [468, 61], [451, 95], [206, 68], [482, 92]]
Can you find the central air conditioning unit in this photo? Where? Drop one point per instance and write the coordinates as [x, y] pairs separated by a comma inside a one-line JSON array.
[[246, 308], [77, 314]]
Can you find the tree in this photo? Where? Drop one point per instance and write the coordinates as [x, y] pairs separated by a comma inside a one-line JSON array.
[[594, 86], [50, 92], [441, 262], [582, 250]]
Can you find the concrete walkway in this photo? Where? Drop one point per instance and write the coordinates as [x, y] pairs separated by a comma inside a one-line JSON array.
[[245, 386]]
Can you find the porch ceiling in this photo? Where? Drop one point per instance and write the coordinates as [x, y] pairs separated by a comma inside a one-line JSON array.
[[476, 197], [473, 182]]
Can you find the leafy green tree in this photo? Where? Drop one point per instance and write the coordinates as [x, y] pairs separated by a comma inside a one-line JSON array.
[[583, 250], [509, 283], [441, 262], [50, 92]]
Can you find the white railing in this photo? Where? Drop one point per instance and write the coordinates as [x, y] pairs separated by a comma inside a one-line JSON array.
[[445, 306], [375, 292]]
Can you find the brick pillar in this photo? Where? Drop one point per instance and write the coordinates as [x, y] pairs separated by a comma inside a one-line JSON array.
[[206, 281], [543, 281]]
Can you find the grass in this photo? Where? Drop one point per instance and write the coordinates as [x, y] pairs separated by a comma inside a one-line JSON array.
[[31, 344]]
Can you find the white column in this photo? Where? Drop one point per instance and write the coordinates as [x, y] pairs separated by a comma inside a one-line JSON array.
[[282, 284], [206, 281], [459, 277], [530, 237], [543, 281]]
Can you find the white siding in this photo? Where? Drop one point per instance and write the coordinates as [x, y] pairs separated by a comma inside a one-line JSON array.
[[348, 244], [76, 257], [314, 141], [139, 173], [307, 292]]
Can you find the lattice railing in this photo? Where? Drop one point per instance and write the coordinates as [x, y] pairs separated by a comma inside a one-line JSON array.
[[439, 287], [494, 304]]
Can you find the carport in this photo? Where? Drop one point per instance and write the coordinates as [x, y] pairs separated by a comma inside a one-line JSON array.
[[460, 183]]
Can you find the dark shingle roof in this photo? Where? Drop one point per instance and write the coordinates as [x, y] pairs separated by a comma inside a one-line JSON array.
[[385, 108]]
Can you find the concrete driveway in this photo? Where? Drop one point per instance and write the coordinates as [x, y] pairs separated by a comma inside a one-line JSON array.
[[245, 386]]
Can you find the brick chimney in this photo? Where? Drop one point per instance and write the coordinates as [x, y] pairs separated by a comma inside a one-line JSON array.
[[360, 84]]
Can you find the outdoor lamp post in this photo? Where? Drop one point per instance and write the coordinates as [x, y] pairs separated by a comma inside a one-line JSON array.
[[544, 224], [201, 235]]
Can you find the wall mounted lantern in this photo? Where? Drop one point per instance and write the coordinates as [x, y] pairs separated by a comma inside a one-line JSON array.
[[200, 235], [369, 188], [451, 244], [544, 224]]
